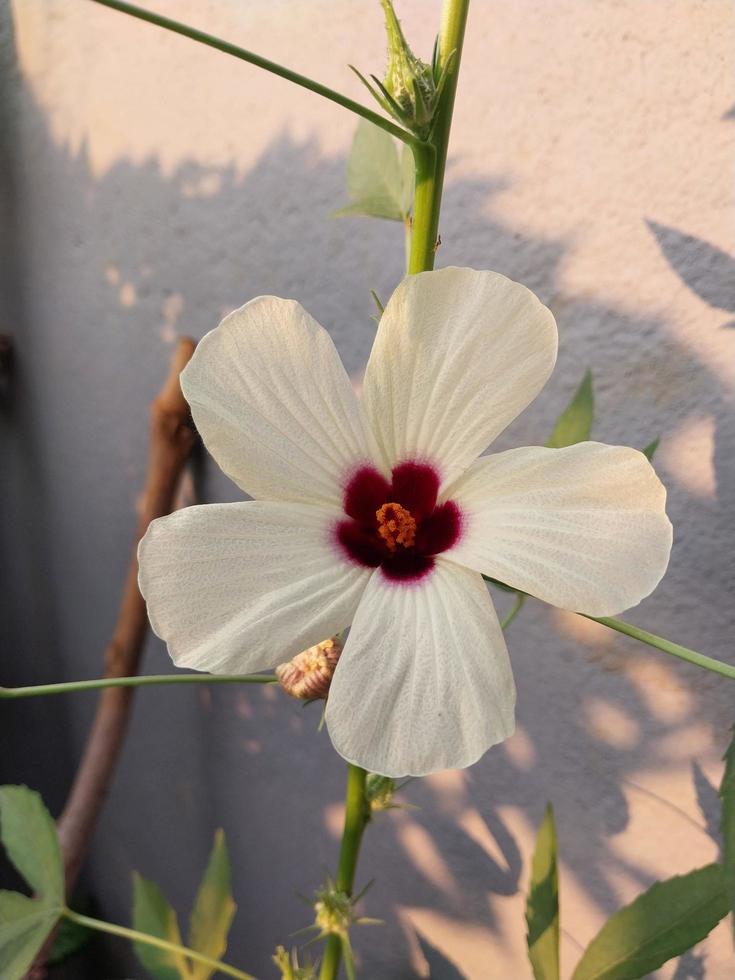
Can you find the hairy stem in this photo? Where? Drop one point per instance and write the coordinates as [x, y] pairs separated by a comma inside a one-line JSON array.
[[255, 59], [356, 817], [149, 680], [142, 937]]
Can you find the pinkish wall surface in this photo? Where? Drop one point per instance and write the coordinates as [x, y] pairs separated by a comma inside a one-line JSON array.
[[156, 185]]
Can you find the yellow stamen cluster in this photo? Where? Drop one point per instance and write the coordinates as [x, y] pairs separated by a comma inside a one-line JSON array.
[[396, 525]]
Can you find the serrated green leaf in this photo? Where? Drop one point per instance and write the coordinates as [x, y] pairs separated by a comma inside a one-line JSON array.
[[664, 922], [25, 924], [376, 182], [542, 905], [69, 939], [214, 909], [29, 836], [153, 915], [651, 448], [575, 422], [727, 822]]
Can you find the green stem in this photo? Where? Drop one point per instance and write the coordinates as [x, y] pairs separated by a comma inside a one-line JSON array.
[[425, 222], [143, 681], [141, 937], [430, 170], [517, 606], [260, 62], [356, 818], [666, 646]]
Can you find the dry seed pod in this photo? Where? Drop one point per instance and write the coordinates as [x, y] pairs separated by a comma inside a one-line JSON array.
[[308, 675]]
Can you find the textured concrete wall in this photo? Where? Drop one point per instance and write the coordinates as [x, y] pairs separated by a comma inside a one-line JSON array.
[[151, 185]]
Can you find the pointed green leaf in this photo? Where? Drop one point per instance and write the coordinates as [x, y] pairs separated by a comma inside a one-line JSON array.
[[542, 906], [664, 922], [575, 422], [213, 910], [24, 925], [651, 448], [28, 833], [727, 822], [375, 177], [153, 915]]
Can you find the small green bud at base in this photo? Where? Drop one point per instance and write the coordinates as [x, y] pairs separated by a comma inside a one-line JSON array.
[[409, 85], [379, 792], [333, 912], [288, 964]]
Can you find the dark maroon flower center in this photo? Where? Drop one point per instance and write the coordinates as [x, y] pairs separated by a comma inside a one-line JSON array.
[[396, 524]]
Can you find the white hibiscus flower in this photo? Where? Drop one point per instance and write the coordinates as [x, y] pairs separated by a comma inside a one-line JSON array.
[[379, 514]]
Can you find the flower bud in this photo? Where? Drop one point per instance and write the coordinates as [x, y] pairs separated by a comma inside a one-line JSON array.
[[411, 89], [308, 675], [408, 80], [288, 964], [379, 792], [333, 912]]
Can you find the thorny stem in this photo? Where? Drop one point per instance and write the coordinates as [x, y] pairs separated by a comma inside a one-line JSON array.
[[356, 818], [255, 59], [150, 680], [142, 937]]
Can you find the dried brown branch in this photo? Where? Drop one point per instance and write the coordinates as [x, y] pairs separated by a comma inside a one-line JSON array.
[[171, 441]]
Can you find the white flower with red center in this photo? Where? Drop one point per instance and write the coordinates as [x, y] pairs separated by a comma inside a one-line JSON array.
[[380, 514]]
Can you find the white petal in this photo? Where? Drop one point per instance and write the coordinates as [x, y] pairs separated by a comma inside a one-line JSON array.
[[584, 528], [274, 405], [234, 588], [458, 355], [424, 682]]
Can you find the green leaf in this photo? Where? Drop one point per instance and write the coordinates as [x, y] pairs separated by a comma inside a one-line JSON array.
[[24, 926], [651, 448], [213, 910], [28, 833], [153, 915], [70, 938], [575, 422], [664, 922], [542, 906], [376, 179], [727, 822]]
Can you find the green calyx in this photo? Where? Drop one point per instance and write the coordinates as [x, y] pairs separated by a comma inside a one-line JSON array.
[[379, 792], [411, 89], [408, 80], [333, 911]]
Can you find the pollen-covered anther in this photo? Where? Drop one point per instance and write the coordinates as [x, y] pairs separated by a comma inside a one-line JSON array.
[[396, 525], [308, 675]]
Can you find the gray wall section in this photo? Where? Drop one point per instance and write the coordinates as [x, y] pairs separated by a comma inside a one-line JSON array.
[[74, 446]]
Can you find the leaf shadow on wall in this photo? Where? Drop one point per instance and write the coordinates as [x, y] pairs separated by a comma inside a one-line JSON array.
[[154, 255]]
